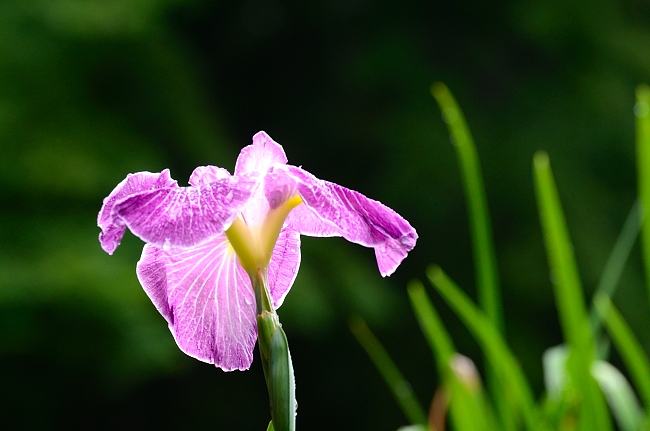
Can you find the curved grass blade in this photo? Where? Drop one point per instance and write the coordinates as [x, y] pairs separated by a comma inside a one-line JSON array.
[[468, 407], [487, 275], [395, 380], [434, 331], [594, 415], [620, 396], [482, 239], [642, 112], [513, 382], [617, 259], [635, 359]]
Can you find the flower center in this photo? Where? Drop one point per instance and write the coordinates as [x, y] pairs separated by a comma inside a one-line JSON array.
[[254, 245]]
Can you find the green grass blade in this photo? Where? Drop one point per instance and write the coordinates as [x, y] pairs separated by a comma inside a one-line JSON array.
[[617, 260], [633, 355], [642, 112], [489, 296], [434, 331], [400, 388], [468, 408], [270, 427], [509, 374], [620, 396], [487, 276], [569, 298]]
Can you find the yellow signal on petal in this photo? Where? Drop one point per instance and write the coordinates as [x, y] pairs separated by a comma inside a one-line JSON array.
[[273, 224]]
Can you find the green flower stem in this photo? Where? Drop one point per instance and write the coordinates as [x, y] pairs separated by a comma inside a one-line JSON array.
[[276, 360]]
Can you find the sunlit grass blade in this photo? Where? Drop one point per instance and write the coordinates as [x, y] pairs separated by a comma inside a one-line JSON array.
[[628, 346], [554, 364], [617, 259], [468, 407], [513, 383], [434, 331], [398, 385], [620, 396], [489, 295], [569, 298], [642, 112], [487, 277], [270, 427]]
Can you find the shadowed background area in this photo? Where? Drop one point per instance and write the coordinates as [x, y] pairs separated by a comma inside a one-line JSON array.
[[91, 90]]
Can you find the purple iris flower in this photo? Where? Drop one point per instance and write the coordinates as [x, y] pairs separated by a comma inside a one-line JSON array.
[[206, 241]]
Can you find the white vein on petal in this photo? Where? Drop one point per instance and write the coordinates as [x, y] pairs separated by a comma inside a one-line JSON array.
[[207, 280]]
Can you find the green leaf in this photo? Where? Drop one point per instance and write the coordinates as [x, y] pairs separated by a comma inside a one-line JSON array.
[[395, 380], [434, 331], [632, 354], [468, 407], [489, 294], [642, 112], [617, 259], [620, 396], [483, 244], [569, 298], [512, 381], [270, 427]]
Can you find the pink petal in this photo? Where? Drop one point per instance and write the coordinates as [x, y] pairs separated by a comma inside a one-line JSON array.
[[260, 156], [204, 175], [256, 160], [349, 214], [307, 221], [185, 216], [112, 227], [207, 299], [285, 261]]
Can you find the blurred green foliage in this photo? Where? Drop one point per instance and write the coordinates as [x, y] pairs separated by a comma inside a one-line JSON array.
[[91, 90], [582, 390]]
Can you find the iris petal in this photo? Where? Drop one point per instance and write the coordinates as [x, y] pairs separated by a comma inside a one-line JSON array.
[[112, 227], [207, 299], [185, 216], [333, 210], [258, 157], [284, 264], [191, 272], [204, 175], [255, 160]]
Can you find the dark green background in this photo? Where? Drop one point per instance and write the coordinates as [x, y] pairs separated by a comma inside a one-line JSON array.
[[91, 90]]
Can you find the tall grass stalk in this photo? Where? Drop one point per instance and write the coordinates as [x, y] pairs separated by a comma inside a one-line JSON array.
[[487, 276], [570, 301], [642, 113]]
